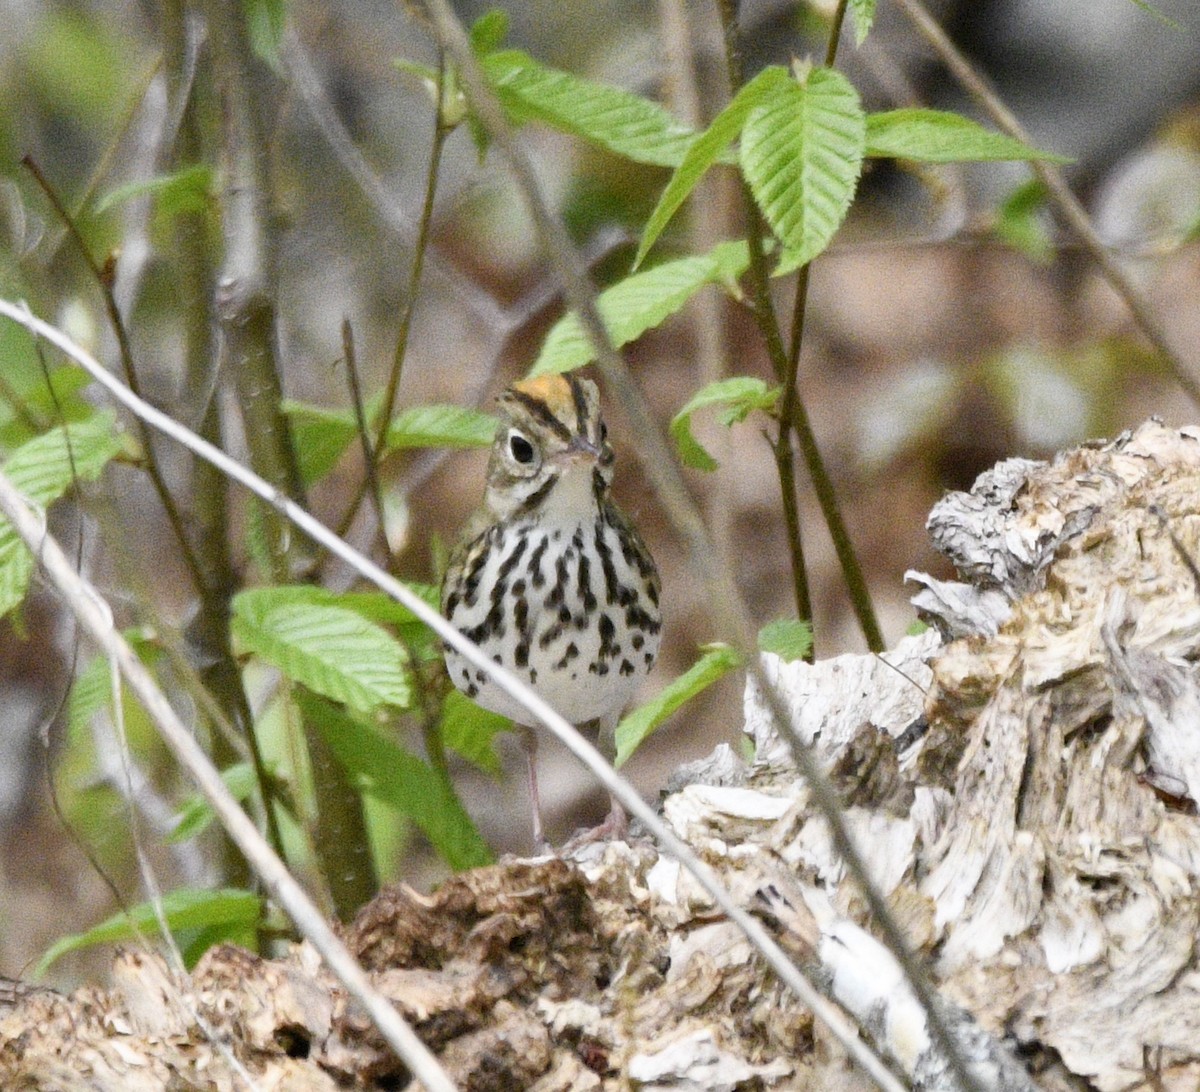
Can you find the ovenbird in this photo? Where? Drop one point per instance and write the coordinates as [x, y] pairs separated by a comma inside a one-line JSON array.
[[549, 577]]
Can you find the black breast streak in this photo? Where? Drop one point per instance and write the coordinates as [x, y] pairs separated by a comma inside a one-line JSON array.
[[536, 577], [479, 551], [609, 649], [557, 594], [584, 584], [604, 552], [511, 562]]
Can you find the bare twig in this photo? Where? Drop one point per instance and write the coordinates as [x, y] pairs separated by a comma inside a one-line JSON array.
[[727, 604], [1068, 205], [85, 602], [245, 289], [104, 283], [370, 447], [588, 755]]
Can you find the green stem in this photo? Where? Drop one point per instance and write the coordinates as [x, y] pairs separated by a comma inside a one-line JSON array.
[[391, 391], [103, 278], [440, 133], [209, 634], [370, 470], [793, 417]]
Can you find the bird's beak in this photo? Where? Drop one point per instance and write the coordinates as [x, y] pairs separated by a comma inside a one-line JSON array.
[[580, 449]]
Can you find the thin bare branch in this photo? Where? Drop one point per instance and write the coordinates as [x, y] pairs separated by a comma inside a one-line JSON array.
[[588, 755], [87, 605], [1068, 205]]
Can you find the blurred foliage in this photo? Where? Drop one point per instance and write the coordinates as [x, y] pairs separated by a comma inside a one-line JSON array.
[[145, 178]]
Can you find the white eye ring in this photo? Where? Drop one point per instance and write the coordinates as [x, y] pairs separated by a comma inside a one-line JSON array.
[[520, 448]]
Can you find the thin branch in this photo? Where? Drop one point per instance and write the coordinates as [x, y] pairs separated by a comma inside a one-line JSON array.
[[245, 298], [370, 447], [588, 755], [793, 417], [440, 132], [221, 677], [728, 606], [1068, 205], [104, 282], [87, 605]]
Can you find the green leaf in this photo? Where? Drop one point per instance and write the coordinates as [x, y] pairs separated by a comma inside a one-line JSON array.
[[319, 435], [377, 606], [92, 688], [440, 426], [718, 660], [489, 31], [787, 638], [196, 814], [50, 403], [740, 395], [329, 648], [400, 779], [938, 136], [264, 23], [801, 154], [1020, 223], [470, 730], [188, 189], [322, 435], [622, 122], [187, 908], [1161, 16], [43, 469], [706, 149], [864, 16], [640, 302]]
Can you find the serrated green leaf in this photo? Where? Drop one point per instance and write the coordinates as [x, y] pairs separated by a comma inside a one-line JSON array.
[[864, 17], [739, 395], [186, 908], [718, 660], [787, 638], [706, 149], [400, 779], [470, 730], [622, 122], [801, 153], [440, 426], [196, 814], [188, 189], [939, 136], [46, 466], [489, 31], [329, 648], [640, 302], [377, 606], [43, 469]]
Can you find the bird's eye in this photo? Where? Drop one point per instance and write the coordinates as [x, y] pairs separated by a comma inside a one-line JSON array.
[[520, 448]]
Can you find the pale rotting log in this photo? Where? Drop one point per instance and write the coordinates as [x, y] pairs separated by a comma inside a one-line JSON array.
[[1024, 796]]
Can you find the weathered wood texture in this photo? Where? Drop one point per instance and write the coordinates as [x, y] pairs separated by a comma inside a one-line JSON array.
[[1023, 795]]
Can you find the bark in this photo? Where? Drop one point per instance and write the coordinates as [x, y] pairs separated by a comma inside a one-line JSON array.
[[1021, 780]]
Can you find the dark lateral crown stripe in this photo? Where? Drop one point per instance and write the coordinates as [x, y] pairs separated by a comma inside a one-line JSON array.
[[542, 412], [579, 397]]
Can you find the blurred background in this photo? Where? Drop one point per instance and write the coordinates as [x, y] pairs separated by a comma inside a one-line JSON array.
[[951, 324]]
